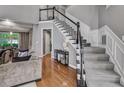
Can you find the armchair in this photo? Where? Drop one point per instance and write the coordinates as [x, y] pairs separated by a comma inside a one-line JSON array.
[[5, 56]]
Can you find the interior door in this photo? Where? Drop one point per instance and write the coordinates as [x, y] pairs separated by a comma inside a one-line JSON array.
[[47, 41]]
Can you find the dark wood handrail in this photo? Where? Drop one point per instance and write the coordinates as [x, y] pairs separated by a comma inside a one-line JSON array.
[[46, 9], [65, 16]]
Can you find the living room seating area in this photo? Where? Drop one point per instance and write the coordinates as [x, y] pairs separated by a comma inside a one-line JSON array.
[[18, 66]]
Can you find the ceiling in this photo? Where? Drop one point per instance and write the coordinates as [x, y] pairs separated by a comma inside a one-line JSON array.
[[20, 13], [8, 25], [22, 17]]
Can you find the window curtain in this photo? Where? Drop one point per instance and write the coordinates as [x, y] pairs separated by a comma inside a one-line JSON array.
[[24, 40], [30, 39]]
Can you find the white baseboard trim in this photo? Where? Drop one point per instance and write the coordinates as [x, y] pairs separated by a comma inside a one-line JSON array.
[[72, 66], [122, 81], [44, 55]]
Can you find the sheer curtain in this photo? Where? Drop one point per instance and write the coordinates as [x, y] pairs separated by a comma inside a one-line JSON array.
[[24, 40], [30, 39]]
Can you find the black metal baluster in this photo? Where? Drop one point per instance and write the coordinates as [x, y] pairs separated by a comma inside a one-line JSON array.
[[53, 13]]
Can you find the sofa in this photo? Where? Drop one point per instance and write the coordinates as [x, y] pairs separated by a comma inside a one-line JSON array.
[[14, 74]]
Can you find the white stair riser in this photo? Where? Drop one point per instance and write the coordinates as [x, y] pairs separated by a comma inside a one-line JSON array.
[[72, 41], [78, 66], [65, 34]]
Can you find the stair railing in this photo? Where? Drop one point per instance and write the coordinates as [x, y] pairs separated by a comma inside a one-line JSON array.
[[78, 41], [81, 48]]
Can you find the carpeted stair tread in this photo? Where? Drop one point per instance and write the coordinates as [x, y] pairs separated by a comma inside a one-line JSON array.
[[101, 72], [112, 78], [94, 50], [103, 77], [99, 83]]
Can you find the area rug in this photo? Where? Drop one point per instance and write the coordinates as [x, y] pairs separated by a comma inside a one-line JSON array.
[[31, 84]]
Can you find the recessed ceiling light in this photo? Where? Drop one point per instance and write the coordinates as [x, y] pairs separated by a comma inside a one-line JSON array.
[[8, 22]]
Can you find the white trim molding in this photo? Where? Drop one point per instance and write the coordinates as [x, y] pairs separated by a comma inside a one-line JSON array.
[[72, 66], [115, 48]]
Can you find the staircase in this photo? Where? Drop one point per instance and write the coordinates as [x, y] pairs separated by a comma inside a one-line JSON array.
[[93, 66], [99, 72]]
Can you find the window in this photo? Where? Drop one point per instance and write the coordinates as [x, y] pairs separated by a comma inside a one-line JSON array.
[[9, 39]]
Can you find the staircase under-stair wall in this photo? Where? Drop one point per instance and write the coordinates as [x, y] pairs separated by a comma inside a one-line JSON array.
[[58, 41]]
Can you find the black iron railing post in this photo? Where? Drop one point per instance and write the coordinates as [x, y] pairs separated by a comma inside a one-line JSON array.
[[39, 15], [53, 12], [78, 26]]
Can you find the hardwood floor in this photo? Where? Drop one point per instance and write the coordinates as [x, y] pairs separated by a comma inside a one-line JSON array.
[[54, 74]]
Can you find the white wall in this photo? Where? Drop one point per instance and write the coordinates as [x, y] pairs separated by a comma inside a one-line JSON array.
[[58, 40], [37, 42], [35, 39], [86, 13], [113, 17]]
